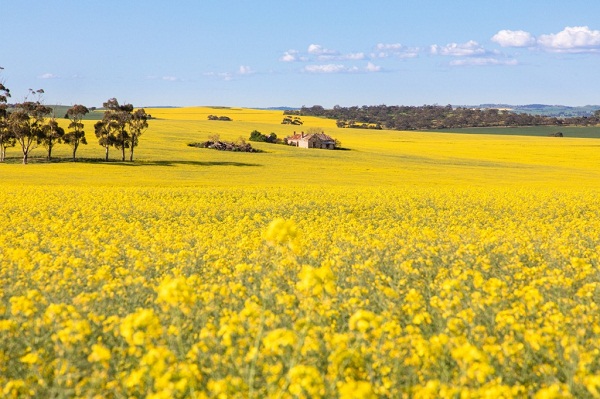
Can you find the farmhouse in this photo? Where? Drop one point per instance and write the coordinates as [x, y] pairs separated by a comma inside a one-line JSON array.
[[314, 140]]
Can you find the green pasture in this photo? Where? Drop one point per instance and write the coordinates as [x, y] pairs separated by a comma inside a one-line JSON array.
[[539, 131]]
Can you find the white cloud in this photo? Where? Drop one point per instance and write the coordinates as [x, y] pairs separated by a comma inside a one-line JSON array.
[[340, 68], [383, 50], [354, 56], [372, 67], [221, 75], [572, 39], [514, 38], [170, 78], [482, 61], [48, 76], [317, 49], [290, 56], [319, 53], [389, 47], [470, 48], [327, 68], [245, 70], [576, 39], [350, 57]]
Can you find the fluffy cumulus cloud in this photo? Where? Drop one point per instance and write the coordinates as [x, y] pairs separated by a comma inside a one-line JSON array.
[[340, 68], [470, 48], [385, 50], [245, 70], [471, 53], [317, 49], [514, 38], [572, 39], [353, 56], [576, 39], [292, 56], [326, 68], [320, 53], [372, 67], [482, 61]]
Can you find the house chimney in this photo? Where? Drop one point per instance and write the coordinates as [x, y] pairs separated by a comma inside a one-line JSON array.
[[302, 134]]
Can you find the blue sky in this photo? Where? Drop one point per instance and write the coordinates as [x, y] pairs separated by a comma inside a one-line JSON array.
[[254, 53]]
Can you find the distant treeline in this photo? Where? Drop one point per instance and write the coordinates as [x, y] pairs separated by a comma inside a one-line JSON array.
[[428, 117]]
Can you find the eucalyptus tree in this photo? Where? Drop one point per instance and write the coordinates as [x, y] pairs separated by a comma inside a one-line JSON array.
[[117, 117], [26, 123], [52, 135], [6, 137], [138, 123], [104, 133], [76, 135]]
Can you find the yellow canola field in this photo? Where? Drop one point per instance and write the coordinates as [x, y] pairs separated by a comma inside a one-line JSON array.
[[374, 158], [413, 265]]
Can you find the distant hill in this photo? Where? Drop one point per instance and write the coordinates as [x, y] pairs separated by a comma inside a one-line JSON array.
[[280, 108], [60, 111], [545, 110]]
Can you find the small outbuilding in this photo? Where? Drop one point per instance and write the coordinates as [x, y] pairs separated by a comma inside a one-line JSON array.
[[313, 140]]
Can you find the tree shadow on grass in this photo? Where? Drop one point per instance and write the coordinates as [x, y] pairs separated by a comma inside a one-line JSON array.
[[135, 163], [174, 163], [192, 163]]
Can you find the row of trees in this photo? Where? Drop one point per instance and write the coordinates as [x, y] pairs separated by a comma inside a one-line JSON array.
[[435, 117], [121, 127], [30, 124]]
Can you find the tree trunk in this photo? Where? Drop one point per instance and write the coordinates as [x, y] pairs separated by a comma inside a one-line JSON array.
[[49, 152], [131, 154], [2, 152], [106, 158], [123, 152], [25, 145]]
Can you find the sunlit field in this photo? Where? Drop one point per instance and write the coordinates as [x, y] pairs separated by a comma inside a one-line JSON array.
[[409, 264]]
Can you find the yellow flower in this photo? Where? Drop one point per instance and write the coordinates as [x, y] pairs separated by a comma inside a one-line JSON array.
[[356, 390], [30, 358], [363, 320], [277, 341], [100, 353], [176, 292], [306, 382], [139, 327], [554, 391], [315, 281], [281, 231]]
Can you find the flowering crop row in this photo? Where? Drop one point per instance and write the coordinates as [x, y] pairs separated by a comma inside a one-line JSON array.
[[299, 293]]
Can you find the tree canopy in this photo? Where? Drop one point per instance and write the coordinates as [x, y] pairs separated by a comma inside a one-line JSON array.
[[428, 117]]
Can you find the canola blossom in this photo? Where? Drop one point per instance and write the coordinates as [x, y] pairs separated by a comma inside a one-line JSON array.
[[296, 292]]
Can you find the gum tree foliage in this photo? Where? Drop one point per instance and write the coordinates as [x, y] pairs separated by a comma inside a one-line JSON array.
[[76, 134], [138, 123], [6, 138], [117, 117], [104, 135], [121, 127], [52, 135], [435, 117], [26, 123]]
